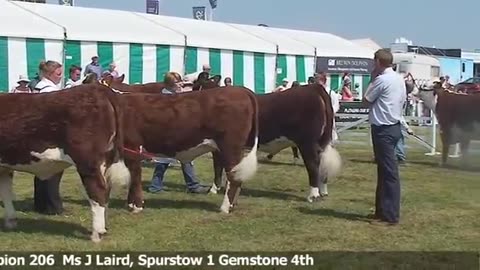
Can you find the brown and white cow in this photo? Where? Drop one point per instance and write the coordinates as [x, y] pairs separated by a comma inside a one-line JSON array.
[[46, 133], [187, 125], [458, 115], [302, 117]]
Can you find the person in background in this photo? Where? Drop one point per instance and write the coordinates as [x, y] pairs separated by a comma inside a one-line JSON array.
[[22, 86], [385, 97], [173, 82], [346, 88], [34, 82], [112, 69], [295, 84], [228, 81], [311, 80], [282, 87], [47, 191], [192, 77], [94, 67], [400, 146], [75, 72]]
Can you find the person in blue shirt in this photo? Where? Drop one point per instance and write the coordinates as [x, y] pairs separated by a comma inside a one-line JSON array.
[[385, 97], [173, 83]]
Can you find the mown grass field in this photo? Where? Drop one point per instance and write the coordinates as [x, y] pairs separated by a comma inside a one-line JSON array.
[[440, 212]]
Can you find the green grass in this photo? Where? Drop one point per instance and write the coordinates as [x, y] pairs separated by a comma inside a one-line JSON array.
[[440, 212]]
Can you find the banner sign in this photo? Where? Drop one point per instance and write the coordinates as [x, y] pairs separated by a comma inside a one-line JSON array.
[[152, 7], [199, 13], [213, 4], [65, 2], [344, 64]]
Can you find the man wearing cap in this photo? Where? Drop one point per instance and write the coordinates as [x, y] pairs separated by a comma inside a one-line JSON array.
[[22, 87], [94, 67], [282, 87], [194, 76]]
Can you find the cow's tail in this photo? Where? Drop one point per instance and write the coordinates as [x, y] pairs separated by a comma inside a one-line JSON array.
[[330, 159], [247, 168], [117, 172]]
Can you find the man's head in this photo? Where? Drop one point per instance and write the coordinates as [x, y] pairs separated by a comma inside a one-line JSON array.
[[95, 59], [206, 68], [112, 66], [447, 78], [173, 81], [383, 59], [284, 82], [75, 73], [311, 80], [23, 81], [228, 81]]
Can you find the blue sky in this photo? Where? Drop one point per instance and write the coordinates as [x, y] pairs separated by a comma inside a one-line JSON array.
[[440, 23]]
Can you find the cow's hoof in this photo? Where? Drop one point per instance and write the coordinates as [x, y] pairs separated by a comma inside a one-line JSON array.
[[225, 209], [325, 194], [213, 190], [11, 223], [312, 199], [134, 209]]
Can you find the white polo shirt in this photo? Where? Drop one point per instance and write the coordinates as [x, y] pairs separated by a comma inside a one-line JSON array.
[[387, 94]]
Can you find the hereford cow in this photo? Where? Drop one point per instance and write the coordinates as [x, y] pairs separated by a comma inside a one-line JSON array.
[[187, 125], [46, 133], [458, 116], [301, 117]]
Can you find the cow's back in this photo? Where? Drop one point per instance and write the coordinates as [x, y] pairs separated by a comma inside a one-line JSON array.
[[295, 113], [35, 122]]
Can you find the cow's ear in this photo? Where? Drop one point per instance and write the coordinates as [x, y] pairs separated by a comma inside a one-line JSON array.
[[107, 80]]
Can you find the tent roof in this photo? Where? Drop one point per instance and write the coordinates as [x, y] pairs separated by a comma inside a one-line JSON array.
[[286, 45], [89, 24], [30, 25], [216, 35], [328, 45], [367, 42]]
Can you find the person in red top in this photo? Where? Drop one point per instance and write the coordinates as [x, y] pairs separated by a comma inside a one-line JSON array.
[[346, 88]]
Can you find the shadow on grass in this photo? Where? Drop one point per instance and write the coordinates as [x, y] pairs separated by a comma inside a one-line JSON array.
[[333, 213], [363, 161], [277, 163], [156, 203], [468, 168], [50, 227], [277, 195]]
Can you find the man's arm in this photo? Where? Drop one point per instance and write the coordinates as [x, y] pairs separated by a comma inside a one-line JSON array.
[[373, 91]]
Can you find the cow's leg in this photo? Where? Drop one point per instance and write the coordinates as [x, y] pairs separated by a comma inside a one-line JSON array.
[[7, 195], [311, 158], [295, 155], [135, 192], [231, 157], [445, 149], [98, 190], [217, 169]]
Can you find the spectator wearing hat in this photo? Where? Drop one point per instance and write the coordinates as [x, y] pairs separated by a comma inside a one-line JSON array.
[[94, 67], [112, 69], [75, 72], [282, 87], [22, 86], [194, 76]]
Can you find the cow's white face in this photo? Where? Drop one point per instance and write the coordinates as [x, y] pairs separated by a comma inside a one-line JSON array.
[[428, 97]]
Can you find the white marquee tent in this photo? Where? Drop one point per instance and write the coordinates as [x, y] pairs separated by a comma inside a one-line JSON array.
[[146, 46]]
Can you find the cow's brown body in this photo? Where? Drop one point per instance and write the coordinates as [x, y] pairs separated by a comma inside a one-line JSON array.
[[44, 134], [459, 119], [169, 125], [458, 115], [302, 116]]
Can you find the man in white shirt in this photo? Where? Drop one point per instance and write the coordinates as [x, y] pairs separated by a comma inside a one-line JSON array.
[[282, 87], [386, 96], [193, 76]]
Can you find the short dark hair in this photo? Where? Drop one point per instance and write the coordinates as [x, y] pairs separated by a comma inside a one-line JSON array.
[[385, 57], [74, 68]]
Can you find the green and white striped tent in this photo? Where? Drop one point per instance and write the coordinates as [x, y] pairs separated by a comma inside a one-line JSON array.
[[328, 45], [146, 46], [142, 50], [295, 60], [247, 59], [24, 43]]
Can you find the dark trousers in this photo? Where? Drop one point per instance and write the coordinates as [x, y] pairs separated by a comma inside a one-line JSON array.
[[46, 195], [387, 198]]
